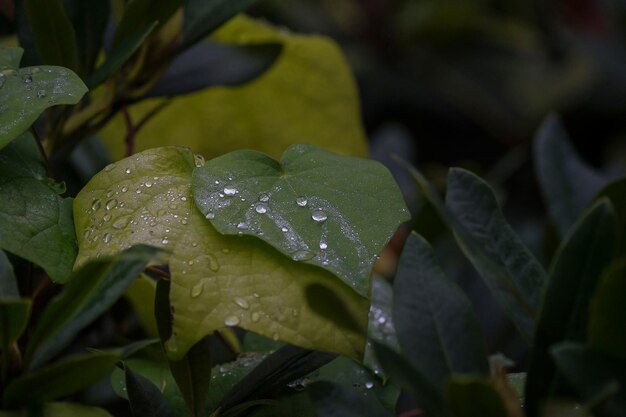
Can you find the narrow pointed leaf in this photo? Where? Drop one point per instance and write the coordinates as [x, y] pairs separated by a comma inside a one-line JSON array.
[[139, 14], [8, 282], [89, 293], [616, 192], [217, 281], [435, 323], [574, 275], [35, 223], [568, 183], [145, 398], [89, 20], [193, 376], [314, 206], [60, 379], [14, 315]]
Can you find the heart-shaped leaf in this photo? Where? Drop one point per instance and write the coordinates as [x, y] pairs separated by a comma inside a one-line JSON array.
[[25, 93], [217, 280], [315, 206]]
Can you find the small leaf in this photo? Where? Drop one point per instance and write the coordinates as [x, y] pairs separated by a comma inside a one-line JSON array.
[[63, 409], [53, 33], [217, 281], [14, 315], [332, 400], [568, 184], [469, 396], [435, 323], [60, 379], [25, 93], [145, 398], [193, 376], [8, 283], [575, 272], [35, 223], [607, 312], [141, 14], [314, 206], [90, 292]]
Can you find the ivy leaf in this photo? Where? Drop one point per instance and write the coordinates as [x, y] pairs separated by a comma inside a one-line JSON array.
[[35, 223], [314, 206], [25, 93], [217, 280]]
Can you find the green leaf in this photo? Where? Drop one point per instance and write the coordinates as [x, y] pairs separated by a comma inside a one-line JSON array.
[[508, 268], [616, 192], [145, 398], [469, 396], [14, 315], [325, 109], [60, 379], [575, 272], [607, 312], [193, 376], [568, 184], [89, 20], [333, 211], [53, 33], [35, 223], [333, 400], [10, 57], [120, 55], [61, 410], [8, 283], [90, 292], [217, 280], [204, 16], [140, 295], [25, 93], [598, 379], [141, 14], [435, 323]]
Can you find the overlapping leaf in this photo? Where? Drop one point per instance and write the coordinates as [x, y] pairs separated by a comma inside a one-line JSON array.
[[217, 280]]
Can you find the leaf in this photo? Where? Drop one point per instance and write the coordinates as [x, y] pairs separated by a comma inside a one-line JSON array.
[[8, 283], [14, 315], [141, 14], [210, 64], [60, 379], [568, 184], [606, 328], [575, 272], [120, 55], [333, 211], [193, 376], [10, 57], [35, 223], [90, 292], [53, 33], [469, 396], [598, 379], [616, 192], [145, 398], [202, 17], [217, 281], [435, 323], [89, 21], [325, 109], [141, 295], [333, 400], [63, 409], [25, 93]]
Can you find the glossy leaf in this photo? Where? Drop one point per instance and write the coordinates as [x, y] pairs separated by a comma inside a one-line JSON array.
[[202, 17], [333, 400], [53, 33], [575, 272], [139, 14], [35, 223], [60, 379], [314, 206], [606, 325], [63, 409], [89, 20], [469, 396], [8, 284], [145, 398], [325, 111], [193, 376], [90, 292], [435, 323], [14, 315], [217, 281], [568, 183], [25, 93], [141, 295]]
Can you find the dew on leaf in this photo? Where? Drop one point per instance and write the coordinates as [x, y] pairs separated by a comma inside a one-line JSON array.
[[369, 385], [96, 204], [198, 160], [197, 289], [255, 317], [109, 167], [261, 208], [319, 216], [121, 223], [264, 198], [302, 255], [28, 79], [242, 226], [41, 94], [210, 216], [111, 204], [230, 191], [106, 238], [213, 263], [148, 184], [106, 217], [301, 201], [231, 321], [323, 245], [128, 171], [165, 241], [241, 302]]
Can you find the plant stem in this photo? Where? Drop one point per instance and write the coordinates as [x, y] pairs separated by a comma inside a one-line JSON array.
[[43, 153]]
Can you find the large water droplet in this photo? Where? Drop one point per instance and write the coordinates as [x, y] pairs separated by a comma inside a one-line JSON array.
[[124, 189], [302, 255], [197, 289], [369, 385], [106, 238], [128, 171], [323, 245], [264, 198], [106, 217], [241, 302], [319, 216], [242, 226], [210, 215], [165, 241], [230, 191], [231, 321], [148, 184], [111, 204], [199, 160], [96, 204], [121, 223], [261, 208], [301, 201], [255, 317]]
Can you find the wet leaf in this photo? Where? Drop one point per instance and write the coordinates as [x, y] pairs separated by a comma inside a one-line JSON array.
[[217, 281], [314, 206], [145, 398]]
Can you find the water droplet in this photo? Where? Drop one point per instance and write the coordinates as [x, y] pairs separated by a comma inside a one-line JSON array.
[[41, 94], [241, 302], [369, 385], [28, 79], [275, 336], [95, 205], [199, 160], [225, 250], [213, 263], [111, 204], [230, 191], [210, 216], [109, 167], [301, 201], [284, 229], [172, 344], [255, 317], [319, 216], [124, 189], [256, 295], [261, 208], [106, 217], [128, 171], [231, 321], [323, 245], [264, 198], [302, 255], [183, 198], [165, 241], [242, 226], [148, 184], [121, 223], [35, 70], [173, 206], [197, 289], [106, 238], [138, 190], [183, 221]]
